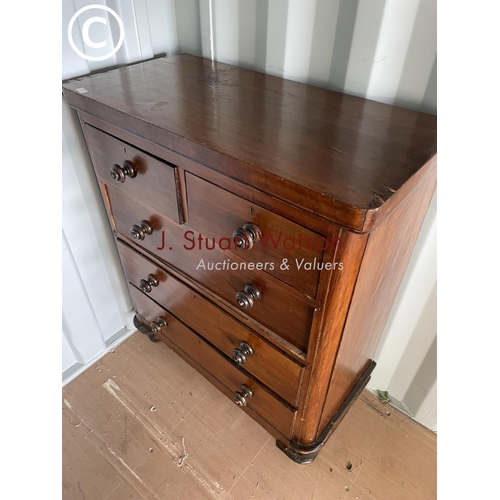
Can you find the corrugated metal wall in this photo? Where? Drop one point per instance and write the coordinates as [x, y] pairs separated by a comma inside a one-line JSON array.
[[380, 49], [93, 318]]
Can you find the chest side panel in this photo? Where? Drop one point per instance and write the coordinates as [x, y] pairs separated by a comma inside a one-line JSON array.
[[384, 263]]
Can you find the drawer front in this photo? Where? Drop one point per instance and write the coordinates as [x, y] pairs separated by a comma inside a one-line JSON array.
[[217, 213], [267, 406], [155, 182], [266, 363], [279, 309]]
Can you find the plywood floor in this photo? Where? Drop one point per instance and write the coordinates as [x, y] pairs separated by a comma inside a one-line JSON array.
[[125, 419]]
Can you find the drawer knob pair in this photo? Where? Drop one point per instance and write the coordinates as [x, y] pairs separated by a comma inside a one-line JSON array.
[[246, 298], [156, 326], [240, 398], [240, 355], [244, 237], [139, 231], [147, 285], [119, 174]]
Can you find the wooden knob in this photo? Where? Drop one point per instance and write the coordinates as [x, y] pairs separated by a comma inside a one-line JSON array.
[[246, 298], [240, 355], [119, 174], [139, 231], [245, 237], [240, 398], [147, 285], [156, 326]]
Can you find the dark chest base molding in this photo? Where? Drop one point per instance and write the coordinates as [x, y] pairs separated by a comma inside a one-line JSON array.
[[305, 454]]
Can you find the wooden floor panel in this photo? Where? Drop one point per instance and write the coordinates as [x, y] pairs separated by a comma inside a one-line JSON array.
[[125, 420]]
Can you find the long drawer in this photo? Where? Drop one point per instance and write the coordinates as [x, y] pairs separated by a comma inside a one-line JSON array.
[[281, 417], [279, 309], [265, 362]]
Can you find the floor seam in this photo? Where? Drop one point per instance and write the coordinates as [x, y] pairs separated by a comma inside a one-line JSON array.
[[249, 463], [354, 481], [124, 481], [117, 486], [189, 412], [366, 455]]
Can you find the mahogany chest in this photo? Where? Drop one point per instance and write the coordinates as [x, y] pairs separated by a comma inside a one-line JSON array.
[[263, 225]]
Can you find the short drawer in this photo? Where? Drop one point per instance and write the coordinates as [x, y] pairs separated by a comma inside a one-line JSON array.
[[223, 218], [281, 417], [136, 172], [280, 309], [265, 362]]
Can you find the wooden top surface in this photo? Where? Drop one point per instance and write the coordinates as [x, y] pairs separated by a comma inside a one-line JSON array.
[[342, 157]]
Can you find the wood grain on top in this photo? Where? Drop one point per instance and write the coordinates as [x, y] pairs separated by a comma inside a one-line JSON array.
[[339, 156]]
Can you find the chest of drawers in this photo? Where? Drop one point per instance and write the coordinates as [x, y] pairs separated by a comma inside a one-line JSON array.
[[263, 225]]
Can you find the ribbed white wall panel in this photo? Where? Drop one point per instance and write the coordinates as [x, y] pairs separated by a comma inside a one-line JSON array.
[[97, 311]]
